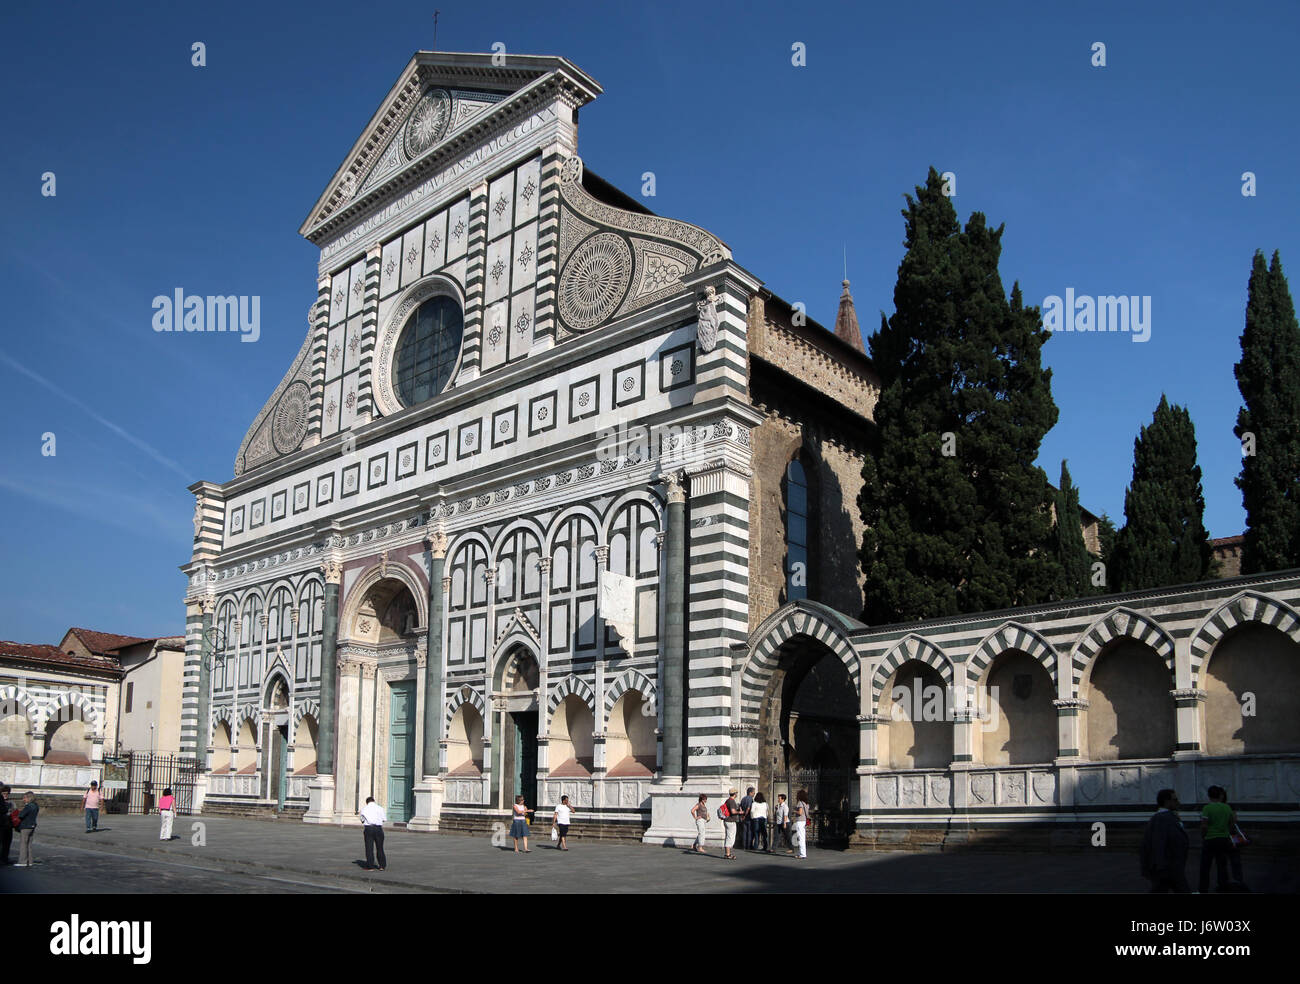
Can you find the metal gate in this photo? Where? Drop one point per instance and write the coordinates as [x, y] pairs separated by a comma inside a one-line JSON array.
[[829, 795], [149, 773]]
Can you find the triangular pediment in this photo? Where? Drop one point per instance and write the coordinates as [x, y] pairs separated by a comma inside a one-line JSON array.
[[441, 104]]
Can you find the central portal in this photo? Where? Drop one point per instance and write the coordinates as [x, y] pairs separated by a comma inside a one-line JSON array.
[[515, 746], [525, 723]]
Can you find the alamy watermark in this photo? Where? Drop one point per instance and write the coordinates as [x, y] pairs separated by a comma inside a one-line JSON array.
[[930, 702], [219, 312], [1110, 312]]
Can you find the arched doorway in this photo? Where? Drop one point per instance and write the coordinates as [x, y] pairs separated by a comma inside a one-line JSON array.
[[1252, 686], [514, 744], [808, 735]]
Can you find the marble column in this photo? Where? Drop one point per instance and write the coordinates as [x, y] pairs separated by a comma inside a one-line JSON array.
[[321, 790], [429, 790], [674, 682]]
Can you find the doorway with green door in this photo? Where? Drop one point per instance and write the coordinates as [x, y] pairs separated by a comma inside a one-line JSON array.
[[401, 751], [515, 748]]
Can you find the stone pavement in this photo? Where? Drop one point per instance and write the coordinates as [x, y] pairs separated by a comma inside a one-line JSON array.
[[462, 863]]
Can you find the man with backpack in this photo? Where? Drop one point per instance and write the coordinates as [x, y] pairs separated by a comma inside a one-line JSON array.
[[729, 814]]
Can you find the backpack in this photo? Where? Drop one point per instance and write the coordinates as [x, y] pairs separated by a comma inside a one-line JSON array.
[[723, 812]]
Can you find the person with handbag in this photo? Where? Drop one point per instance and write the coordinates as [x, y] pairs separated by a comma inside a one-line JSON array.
[[167, 810], [8, 821], [802, 814], [758, 823], [1218, 821], [91, 803], [560, 823], [519, 828], [729, 814], [700, 814]]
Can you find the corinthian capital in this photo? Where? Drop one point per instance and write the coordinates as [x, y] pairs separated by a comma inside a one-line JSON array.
[[332, 568]]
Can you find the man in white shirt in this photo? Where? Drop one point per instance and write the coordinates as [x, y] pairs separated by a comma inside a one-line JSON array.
[[372, 829]]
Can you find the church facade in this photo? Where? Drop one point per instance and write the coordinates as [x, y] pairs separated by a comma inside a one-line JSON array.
[[557, 499]]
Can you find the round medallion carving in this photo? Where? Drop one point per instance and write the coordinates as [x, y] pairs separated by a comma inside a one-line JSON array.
[[290, 424], [428, 122], [594, 280]]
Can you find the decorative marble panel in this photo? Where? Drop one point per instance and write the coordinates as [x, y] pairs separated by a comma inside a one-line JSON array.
[[435, 243], [457, 229], [501, 205], [412, 256], [356, 288], [390, 267]]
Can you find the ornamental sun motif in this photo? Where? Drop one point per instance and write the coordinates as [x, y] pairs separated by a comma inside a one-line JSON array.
[[428, 122], [594, 280]]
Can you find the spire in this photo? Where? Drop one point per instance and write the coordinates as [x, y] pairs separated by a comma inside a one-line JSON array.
[[846, 321]]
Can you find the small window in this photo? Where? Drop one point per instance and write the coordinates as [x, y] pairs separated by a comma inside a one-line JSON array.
[[130, 693]]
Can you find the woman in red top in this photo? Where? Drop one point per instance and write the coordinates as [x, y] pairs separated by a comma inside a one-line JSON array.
[[167, 810]]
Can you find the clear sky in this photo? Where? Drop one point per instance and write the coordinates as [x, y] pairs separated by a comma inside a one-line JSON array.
[[1123, 179]]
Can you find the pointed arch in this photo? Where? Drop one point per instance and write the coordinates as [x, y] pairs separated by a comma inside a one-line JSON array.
[[464, 694], [1242, 608], [569, 685], [798, 618], [1118, 623], [630, 679], [910, 647], [518, 630], [1012, 635]]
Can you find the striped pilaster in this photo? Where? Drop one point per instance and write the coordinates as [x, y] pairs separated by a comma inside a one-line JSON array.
[[548, 244], [476, 261], [195, 712], [725, 370], [209, 516], [718, 607], [369, 326], [319, 341]]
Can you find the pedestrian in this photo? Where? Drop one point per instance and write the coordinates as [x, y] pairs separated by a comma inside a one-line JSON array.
[[563, 816], [167, 810], [802, 814], [700, 814], [6, 824], [746, 829], [1217, 822], [729, 812], [90, 802], [783, 822], [758, 822], [519, 828], [372, 829], [27, 828], [1164, 846]]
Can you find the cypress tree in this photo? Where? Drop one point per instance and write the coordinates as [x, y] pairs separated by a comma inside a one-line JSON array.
[[1163, 540], [957, 514], [1071, 551], [1268, 376], [1106, 534]]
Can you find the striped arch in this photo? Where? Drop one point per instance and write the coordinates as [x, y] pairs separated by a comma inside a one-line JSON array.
[[910, 647], [303, 708], [586, 512], [20, 695], [569, 685], [1117, 623], [1012, 635], [224, 713], [465, 694], [810, 619], [88, 709], [1248, 607], [394, 570], [250, 710], [629, 680]]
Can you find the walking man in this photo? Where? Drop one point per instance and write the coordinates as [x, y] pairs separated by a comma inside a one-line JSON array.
[[1217, 819], [1164, 846], [27, 828], [372, 829], [90, 803]]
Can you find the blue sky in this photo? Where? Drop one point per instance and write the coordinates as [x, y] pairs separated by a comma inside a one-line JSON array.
[[1117, 180]]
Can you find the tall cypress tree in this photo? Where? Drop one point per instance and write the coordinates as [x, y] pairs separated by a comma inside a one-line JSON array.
[[1071, 551], [1163, 540], [957, 514], [1106, 534], [1268, 376]]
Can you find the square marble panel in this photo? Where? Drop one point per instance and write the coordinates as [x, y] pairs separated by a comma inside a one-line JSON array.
[[348, 400], [584, 399], [352, 344], [412, 256], [356, 287], [501, 205], [523, 266], [457, 229], [676, 367], [301, 497], [377, 471], [256, 513], [522, 316], [331, 407], [629, 384], [324, 490], [504, 426], [335, 351], [350, 480], [469, 439], [435, 243], [541, 413], [279, 504], [497, 272], [390, 267], [237, 520], [338, 297], [435, 451], [408, 460], [528, 190], [496, 335]]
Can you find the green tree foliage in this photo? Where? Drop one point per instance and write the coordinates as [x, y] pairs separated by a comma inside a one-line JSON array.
[[957, 514], [1268, 376], [1071, 551], [1163, 541]]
